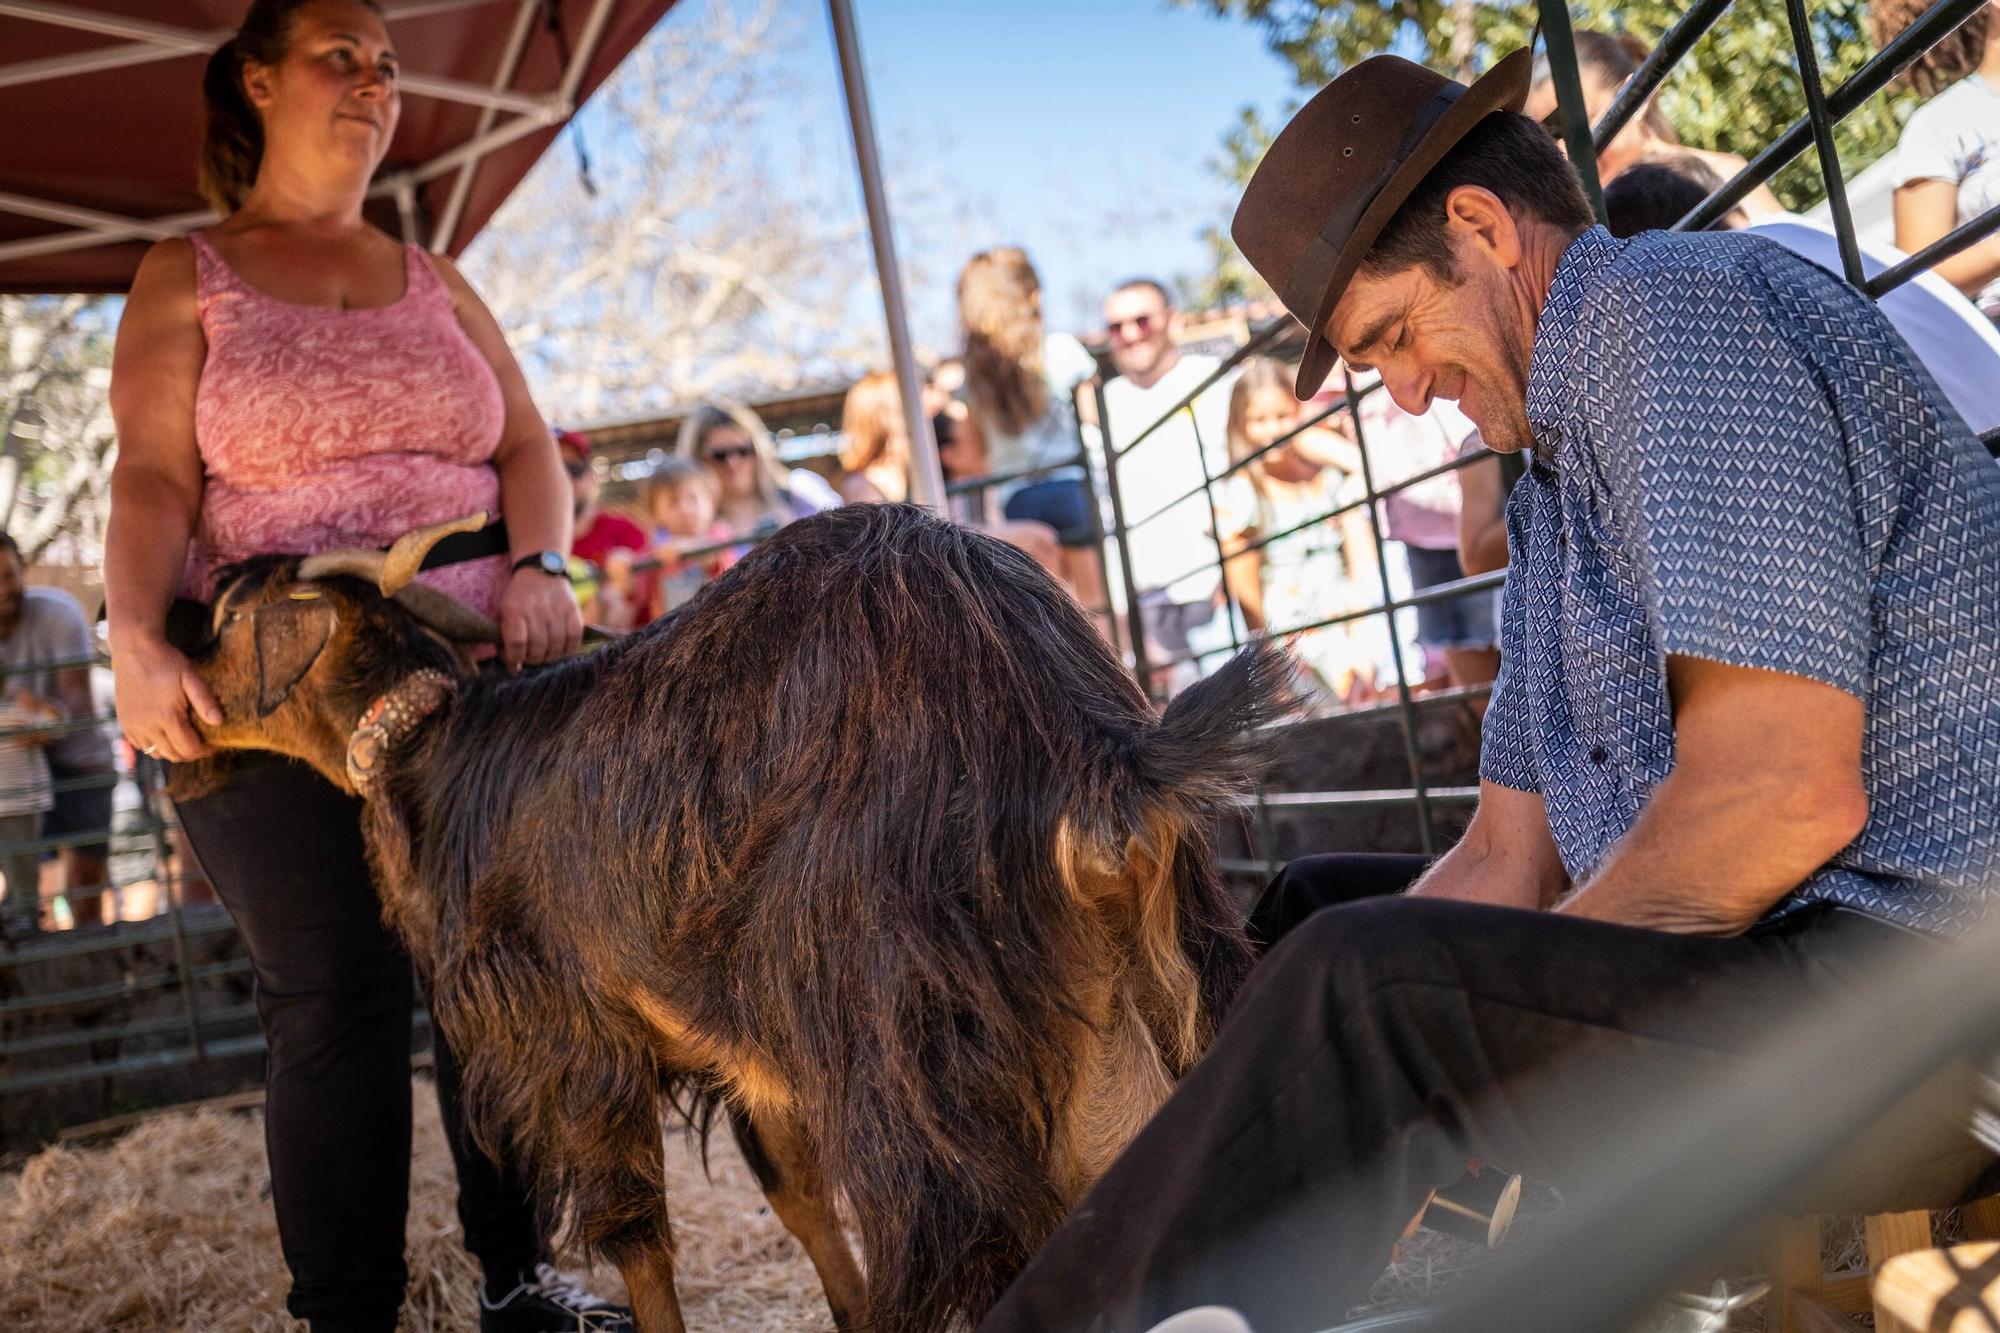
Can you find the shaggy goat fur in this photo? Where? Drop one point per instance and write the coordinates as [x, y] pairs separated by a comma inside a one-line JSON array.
[[878, 845]]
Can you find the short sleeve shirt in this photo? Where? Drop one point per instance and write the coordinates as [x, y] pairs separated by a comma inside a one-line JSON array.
[[1956, 137], [1160, 476], [1737, 459], [53, 629]]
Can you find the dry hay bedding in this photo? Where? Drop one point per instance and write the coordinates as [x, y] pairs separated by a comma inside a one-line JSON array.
[[170, 1227]]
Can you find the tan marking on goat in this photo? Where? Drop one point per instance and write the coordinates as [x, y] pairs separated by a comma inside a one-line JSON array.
[[1174, 1002], [752, 1083], [1136, 899], [1121, 1083]]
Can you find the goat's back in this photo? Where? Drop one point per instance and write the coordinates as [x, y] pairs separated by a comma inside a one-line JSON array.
[[880, 791]]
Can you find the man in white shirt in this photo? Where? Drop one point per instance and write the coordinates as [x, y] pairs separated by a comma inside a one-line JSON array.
[[1956, 344], [1169, 531]]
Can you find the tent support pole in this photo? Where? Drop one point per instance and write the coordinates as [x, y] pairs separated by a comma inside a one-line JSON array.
[[926, 475]]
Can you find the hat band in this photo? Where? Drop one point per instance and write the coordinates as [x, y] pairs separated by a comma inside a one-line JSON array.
[[1310, 276]]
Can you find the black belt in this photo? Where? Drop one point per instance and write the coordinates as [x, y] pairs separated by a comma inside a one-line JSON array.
[[187, 621], [460, 547]]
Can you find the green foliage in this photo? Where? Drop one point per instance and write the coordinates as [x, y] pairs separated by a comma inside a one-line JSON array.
[[1735, 92]]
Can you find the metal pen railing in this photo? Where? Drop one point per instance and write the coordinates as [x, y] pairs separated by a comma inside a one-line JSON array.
[[1418, 794], [140, 832]]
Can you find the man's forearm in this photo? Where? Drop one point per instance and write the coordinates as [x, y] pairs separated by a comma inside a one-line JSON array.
[[1478, 871], [1711, 857]]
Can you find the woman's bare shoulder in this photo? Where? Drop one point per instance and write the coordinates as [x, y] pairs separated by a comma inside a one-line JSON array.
[[167, 264]]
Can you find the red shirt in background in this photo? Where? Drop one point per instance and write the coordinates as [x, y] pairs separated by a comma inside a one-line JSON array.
[[611, 532], [608, 532]]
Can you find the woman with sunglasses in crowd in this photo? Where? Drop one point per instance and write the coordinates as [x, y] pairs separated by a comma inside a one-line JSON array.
[[756, 494]]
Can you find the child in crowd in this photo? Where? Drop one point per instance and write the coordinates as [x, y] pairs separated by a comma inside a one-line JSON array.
[[1307, 568], [681, 501], [25, 796]]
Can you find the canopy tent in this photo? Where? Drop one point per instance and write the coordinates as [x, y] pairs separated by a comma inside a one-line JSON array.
[[102, 115], [101, 111]]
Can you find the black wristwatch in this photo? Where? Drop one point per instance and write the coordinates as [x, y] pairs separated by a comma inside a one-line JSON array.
[[551, 563]]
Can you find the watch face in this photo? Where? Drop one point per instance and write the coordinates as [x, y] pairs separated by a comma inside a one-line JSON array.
[[553, 563]]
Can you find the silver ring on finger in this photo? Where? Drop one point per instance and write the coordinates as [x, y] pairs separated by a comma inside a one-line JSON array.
[[151, 751]]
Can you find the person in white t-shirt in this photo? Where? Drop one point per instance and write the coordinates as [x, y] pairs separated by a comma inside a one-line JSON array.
[[25, 797], [1170, 537], [1958, 346], [1948, 158]]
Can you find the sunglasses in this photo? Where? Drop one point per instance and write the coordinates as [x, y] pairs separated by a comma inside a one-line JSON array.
[[1141, 325], [729, 453]]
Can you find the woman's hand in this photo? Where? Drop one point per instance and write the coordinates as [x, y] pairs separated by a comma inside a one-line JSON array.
[[158, 693], [539, 619]]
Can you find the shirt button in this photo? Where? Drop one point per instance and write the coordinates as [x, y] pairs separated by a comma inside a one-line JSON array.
[[1599, 755]]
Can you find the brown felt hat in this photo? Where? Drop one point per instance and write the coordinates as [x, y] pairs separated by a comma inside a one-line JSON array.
[[1338, 171]]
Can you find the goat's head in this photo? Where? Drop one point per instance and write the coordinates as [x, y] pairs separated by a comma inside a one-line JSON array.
[[298, 648]]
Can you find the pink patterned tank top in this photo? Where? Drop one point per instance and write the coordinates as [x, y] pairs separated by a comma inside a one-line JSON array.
[[321, 428]]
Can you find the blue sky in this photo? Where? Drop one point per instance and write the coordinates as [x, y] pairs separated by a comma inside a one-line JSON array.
[[1081, 130]]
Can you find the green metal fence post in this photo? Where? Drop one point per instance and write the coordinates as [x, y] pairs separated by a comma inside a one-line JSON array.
[[1560, 43]]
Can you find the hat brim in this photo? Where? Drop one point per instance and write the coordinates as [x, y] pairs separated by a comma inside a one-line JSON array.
[[1502, 88]]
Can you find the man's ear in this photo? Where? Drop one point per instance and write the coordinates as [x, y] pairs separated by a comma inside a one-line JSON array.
[[289, 636], [1480, 217]]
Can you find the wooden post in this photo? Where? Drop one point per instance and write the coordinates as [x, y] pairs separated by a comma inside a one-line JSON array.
[[1891, 1234], [1796, 1268], [1982, 1219]]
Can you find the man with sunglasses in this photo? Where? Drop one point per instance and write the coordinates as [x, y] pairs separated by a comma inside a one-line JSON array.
[[1179, 603]]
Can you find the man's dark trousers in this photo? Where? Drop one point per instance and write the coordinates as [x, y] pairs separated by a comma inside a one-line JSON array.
[[1385, 1041]]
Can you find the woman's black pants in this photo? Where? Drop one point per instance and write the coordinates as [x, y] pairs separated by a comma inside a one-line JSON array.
[[1385, 1040], [335, 993]]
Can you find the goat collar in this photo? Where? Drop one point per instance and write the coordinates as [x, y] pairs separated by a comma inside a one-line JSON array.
[[392, 717]]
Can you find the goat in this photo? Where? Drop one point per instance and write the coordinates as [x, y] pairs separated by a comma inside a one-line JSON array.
[[876, 848]]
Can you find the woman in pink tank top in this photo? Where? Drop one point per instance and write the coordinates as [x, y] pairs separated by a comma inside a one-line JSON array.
[[293, 380]]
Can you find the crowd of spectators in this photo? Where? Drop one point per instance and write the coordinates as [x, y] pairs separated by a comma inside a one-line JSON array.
[[1020, 433], [1018, 404]]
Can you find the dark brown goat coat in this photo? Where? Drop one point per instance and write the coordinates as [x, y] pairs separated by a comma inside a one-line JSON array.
[[876, 845]]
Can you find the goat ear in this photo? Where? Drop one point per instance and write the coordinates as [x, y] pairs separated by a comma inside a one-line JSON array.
[[290, 637]]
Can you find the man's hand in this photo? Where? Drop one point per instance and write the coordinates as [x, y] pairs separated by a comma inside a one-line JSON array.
[[1766, 788]]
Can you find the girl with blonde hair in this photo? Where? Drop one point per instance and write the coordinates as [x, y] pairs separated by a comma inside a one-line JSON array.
[[1296, 577]]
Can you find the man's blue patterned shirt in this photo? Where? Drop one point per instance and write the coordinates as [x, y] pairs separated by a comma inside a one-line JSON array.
[[1737, 458]]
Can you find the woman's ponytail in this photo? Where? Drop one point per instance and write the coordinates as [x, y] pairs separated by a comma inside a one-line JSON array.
[[233, 146]]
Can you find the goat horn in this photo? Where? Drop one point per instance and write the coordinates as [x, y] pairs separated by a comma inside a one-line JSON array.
[[358, 561], [406, 557], [447, 615]]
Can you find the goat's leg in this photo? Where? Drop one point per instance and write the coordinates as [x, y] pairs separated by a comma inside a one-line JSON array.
[[605, 1138], [778, 1151], [649, 1282]]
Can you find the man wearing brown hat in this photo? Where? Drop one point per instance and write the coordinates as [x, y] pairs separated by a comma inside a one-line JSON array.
[[1746, 731]]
